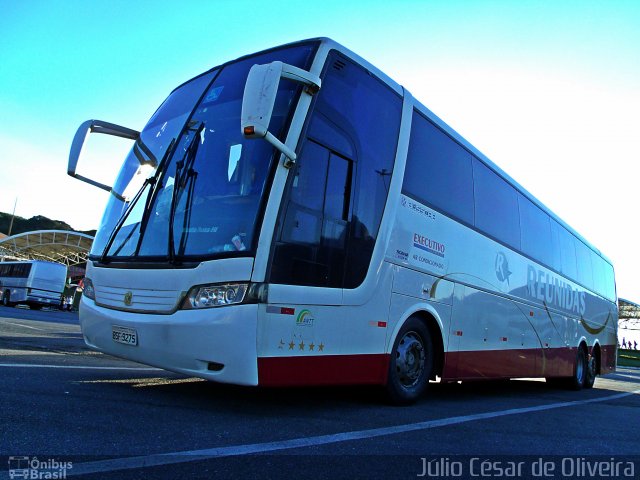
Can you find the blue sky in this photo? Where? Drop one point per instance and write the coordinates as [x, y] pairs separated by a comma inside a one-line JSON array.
[[549, 90]]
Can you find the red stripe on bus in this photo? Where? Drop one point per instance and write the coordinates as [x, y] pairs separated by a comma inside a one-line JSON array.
[[323, 370], [468, 365], [535, 362]]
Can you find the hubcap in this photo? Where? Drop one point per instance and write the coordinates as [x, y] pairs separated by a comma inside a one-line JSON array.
[[410, 357]]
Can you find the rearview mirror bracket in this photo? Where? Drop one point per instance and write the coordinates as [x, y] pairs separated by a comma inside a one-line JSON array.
[[259, 99], [94, 126]]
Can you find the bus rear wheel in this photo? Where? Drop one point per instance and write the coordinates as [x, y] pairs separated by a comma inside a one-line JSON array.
[[580, 378], [410, 364], [577, 381], [591, 372], [6, 299]]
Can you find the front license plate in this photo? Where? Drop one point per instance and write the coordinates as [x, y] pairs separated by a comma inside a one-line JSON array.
[[125, 335]]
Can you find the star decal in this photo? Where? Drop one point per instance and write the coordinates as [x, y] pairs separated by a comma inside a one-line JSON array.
[[321, 347], [291, 345], [311, 347], [301, 345]]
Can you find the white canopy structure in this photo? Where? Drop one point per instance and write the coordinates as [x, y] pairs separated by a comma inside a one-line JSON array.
[[628, 314], [70, 248]]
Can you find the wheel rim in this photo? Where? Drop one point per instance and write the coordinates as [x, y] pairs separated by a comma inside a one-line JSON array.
[[410, 359]]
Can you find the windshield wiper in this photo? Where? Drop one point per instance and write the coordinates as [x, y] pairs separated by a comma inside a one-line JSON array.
[[152, 193], [118, 226], [183, 174], [151, 180]]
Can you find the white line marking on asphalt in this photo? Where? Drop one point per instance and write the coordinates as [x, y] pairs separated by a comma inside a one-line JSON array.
[[77, 367], [25, 326], [236, 450]]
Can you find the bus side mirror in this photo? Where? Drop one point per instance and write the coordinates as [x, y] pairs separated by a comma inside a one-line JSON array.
[[97, 126], [260, 96]]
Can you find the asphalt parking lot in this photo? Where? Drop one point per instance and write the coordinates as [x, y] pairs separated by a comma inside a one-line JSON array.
[[102, 417]]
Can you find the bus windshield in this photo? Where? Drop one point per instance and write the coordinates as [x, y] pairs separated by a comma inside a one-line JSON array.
[[204, 198]]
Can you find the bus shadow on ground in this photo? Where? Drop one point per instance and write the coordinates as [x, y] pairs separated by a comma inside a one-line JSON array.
[[206, 395]]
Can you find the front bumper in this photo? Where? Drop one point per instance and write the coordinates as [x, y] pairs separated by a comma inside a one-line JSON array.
[[187, 341]]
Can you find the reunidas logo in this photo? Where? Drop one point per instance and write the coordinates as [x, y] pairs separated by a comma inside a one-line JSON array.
[[502, 268]]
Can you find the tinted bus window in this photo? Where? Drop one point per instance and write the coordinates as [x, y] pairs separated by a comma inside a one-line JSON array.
[[599, 274], [567, 254], [438, 171], [585, 271], [556, 258], [610, 286], [496, 205]]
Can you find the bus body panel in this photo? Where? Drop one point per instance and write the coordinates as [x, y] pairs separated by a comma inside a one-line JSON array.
[[404, 306], [511, 315], [191, 342], [305, 343]]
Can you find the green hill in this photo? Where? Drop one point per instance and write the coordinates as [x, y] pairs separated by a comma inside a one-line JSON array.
[[22, 225]]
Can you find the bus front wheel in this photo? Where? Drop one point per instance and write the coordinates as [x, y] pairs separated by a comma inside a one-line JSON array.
[[410, 364]]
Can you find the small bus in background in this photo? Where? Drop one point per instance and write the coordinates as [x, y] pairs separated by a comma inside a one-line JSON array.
[[296, 217], [34, 282]]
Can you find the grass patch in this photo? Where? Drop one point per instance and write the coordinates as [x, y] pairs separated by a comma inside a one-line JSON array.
[[628, 358]]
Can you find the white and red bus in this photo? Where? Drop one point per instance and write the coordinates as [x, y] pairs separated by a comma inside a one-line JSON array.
[[296, 217]]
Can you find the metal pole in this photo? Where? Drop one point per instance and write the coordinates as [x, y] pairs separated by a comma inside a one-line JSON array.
[[12, 216]]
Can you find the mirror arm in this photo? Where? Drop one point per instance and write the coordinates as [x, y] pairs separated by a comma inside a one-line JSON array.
[[290, 155], [97, 126], [91, 182], [259, 98], [301, 76]]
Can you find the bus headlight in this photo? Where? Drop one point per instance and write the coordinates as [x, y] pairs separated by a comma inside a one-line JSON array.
[[208, 296], [89, 291]]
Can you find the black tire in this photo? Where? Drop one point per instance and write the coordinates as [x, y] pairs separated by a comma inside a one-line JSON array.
[[591, 372], [411, 363], [6, 299], [577, 381], [579, 378], [35, 307]]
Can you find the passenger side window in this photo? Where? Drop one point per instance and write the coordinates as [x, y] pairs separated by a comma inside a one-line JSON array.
[[585, 271], [535, 231], [496, 205], [568, 254], [438, 171]]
